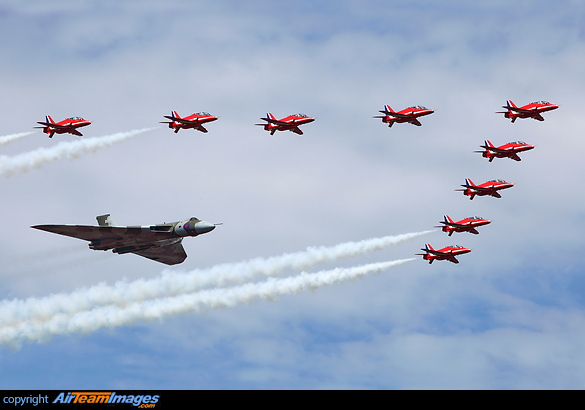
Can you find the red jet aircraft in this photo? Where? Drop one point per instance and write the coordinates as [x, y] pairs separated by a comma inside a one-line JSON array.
[[192, 121], [509, 150], [464, 225], [290, 123], [409, 114], [68, 125], [447, 253], [532, 110], [490, 188]]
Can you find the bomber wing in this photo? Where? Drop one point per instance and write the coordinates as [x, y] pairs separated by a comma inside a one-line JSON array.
[[169, 254], [109, 236]]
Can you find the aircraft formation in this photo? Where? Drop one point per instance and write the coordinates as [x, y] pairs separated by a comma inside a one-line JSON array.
[[162, 242], [510, 150]]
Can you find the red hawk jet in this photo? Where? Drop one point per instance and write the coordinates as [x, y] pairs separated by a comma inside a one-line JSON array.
[[490, 188], [409, 115], [194, 121], [67, 126], [447, 253], [532, 110], [465, 225], [509, 150], [290, 123]]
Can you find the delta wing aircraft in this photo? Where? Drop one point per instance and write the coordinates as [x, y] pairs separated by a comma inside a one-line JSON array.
[[490, 188], [509, 150], [290, 123], [532, 110], [465, 225], [161, 243], [409, 115], [68, 125], [448, 253], [194, 121]]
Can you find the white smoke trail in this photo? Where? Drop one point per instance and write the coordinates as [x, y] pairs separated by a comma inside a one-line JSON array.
[[63, 150], [112, 316], [7, 139], [175, 283]]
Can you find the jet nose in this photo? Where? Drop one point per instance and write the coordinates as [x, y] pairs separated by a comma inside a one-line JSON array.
[[203, 227]]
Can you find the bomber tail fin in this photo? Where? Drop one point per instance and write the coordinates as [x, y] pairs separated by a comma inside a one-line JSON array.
[[105, 220]]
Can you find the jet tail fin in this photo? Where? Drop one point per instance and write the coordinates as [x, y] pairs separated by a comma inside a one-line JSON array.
[[105, 220], [387, 109]]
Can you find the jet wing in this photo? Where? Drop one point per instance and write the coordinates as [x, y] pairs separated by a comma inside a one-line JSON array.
[[453, 259], [495, 149], [201, 128], [397, 115], [520, 110], [416, 122], [169, 254], [54, 125], [181, 120], [454, 224], [434, 252], [276, 122], [75, 132], [478, 188], [297, 130]]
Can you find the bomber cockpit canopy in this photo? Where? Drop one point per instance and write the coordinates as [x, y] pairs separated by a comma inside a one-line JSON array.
[[457, 246], [519, 143], [497, 180], [76, 118], [475, 217], [299, 115], [541, 102], [202, 113], [418, 107]]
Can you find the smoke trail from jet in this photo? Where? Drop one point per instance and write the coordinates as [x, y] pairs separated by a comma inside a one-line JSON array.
[[7, 139], [112, 316], [63, 150], [176, 283]]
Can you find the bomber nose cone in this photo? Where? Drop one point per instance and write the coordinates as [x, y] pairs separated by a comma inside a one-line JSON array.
[[203, 227]]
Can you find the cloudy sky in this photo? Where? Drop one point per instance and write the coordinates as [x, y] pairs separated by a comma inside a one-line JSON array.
[[510, 315]]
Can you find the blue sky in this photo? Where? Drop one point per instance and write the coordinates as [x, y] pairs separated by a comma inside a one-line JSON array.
[[510, 315]]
